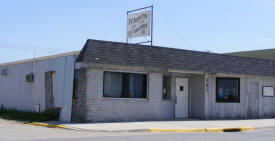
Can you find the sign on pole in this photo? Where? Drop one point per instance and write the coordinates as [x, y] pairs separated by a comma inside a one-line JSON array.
[[140, 24]]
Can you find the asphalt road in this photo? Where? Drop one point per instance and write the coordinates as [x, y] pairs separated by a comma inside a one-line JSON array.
[[16, 131]]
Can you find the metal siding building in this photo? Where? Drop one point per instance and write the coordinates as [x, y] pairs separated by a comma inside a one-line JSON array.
[[16, 93]]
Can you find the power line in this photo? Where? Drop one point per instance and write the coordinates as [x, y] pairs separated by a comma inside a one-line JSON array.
[[20, 44], [174, 28], [158, 10], [24, 48], [27, 49], [29, 46], [111, 27]]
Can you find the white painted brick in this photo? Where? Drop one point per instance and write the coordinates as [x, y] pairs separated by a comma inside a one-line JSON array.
[[111, 109]]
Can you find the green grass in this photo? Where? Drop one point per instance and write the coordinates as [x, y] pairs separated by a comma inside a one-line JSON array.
[[12, 114], [268, 54]]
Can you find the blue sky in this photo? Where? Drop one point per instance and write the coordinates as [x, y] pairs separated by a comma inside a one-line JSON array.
[[57, 26]]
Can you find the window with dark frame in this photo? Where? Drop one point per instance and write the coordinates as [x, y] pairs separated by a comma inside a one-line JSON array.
[[75, 86], [227, 89], [49, 89], [166, 87], [124, 85]]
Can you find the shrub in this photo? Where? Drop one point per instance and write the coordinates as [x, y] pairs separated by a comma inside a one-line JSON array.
[[13, 114]]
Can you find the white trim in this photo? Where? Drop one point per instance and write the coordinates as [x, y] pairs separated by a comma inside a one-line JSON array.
[[229, 75], [185, 71], [124, 71]]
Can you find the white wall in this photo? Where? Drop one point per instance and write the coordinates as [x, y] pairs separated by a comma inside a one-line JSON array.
[[21, 95], [14, 91]]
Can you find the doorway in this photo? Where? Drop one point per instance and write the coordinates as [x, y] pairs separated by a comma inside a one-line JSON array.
[[182, 90]]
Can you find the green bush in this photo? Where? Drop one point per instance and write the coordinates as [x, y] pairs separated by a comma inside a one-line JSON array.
[[52, 114], [13, 114]]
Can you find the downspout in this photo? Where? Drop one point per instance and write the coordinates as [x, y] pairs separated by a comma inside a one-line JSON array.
[[37, 106]]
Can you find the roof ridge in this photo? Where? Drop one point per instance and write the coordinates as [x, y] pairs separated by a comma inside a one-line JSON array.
[[40, 58], [119, 53], [115, 42], [252, 50]]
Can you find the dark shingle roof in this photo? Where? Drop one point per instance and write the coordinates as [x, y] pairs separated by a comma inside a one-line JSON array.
[[116, 53]]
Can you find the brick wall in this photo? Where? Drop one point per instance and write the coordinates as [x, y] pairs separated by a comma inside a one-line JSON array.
[[100, 109], [79, 105]]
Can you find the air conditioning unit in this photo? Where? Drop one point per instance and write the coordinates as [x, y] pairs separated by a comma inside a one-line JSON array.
[[29, 77], [4, 71]]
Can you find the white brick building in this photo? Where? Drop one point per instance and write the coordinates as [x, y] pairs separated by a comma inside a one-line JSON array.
[[128, 82]]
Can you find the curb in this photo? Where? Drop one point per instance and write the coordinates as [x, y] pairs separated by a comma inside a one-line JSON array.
[[205, 130], [193, 130], [48, 125], [153, 130]]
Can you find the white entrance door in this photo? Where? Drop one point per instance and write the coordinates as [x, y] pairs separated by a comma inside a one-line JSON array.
[[181, 107]]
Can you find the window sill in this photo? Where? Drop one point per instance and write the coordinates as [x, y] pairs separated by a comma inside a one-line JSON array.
[[227, 101], [137, 99], [169, 100]]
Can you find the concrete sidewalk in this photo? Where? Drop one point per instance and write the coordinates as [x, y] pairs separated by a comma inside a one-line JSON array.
[[176, 125]]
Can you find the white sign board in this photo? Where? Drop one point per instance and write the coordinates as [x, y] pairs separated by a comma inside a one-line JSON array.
[[268, 91], [139, 24]]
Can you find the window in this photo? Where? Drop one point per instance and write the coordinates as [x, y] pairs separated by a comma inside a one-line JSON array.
[[166, 87], [227, 89], [181, 88], [49, 89], [76, 82], [124, 85]]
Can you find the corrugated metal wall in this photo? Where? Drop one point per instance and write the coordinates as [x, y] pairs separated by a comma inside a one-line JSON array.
[[252, 104], [15, 92]]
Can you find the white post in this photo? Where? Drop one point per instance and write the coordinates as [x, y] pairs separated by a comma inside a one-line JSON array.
[[33, 61], [206, 96]]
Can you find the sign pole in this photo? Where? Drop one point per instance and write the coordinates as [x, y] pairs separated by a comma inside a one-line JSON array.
[[152, 25], [127, 29]]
